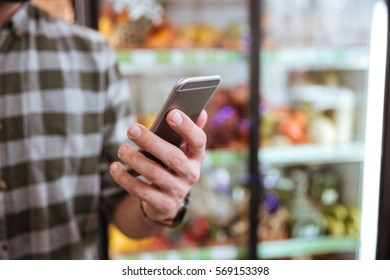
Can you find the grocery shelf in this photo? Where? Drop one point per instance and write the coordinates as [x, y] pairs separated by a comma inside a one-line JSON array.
[[307, 246], [288, 248], [224, 157], [353, 58], [312, 153], [192, 253], [293, 154], [151, 61], [154, 61]]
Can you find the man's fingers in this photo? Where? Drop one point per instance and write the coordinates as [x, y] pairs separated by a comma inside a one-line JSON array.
[[131, 184], [171, 156], [148, 168], [193, 135], [202, 119], [183, 162], [160, 198]]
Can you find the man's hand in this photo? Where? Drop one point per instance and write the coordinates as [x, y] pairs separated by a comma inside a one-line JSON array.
[[166, 188]]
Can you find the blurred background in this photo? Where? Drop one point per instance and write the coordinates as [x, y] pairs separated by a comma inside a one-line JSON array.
[[315, 129]]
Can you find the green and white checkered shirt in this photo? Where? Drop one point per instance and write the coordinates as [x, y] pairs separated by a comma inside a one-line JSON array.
[[64, 110]]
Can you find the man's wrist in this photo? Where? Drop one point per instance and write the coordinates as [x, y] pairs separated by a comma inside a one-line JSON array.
[[177, 220]]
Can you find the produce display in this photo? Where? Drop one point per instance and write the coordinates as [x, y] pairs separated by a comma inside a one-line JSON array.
[[169, 35], [299, 123], [298, 202], [157, 31], [340, 26], [302, 122]]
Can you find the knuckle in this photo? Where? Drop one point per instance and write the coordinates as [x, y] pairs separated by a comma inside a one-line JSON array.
[[132, 158], [202, 156], [123, 179], [138, 190], [118, 177], [177, 159], [125, 154], [193, 176], [165, 206], [155, 174], [148, 142], [182, 193], [200, 142]]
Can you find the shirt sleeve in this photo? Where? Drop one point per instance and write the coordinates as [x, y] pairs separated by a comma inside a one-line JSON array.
[[119, 114]]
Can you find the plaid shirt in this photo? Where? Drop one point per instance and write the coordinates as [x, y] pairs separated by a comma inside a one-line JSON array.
[[64, 110]]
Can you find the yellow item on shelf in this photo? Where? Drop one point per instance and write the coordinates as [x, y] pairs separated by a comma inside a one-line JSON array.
[[120, 243], [148, 120], [105, 26]]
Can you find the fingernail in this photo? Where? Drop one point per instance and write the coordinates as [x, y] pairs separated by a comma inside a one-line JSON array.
[[114, 168], [177, 118], [134, 132], [122, 151]]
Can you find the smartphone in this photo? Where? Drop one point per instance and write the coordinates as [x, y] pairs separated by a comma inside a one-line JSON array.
[[190, 95]]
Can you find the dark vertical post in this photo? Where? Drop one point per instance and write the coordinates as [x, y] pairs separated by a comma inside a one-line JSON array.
[[87, 12], [254, 85], [383, 238]]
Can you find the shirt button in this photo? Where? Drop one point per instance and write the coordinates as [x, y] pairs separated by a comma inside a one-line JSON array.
[[5, 246], [3, 186]]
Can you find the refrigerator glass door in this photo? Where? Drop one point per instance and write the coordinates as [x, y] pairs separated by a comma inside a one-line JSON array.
[[323, 78], [373, 133]]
